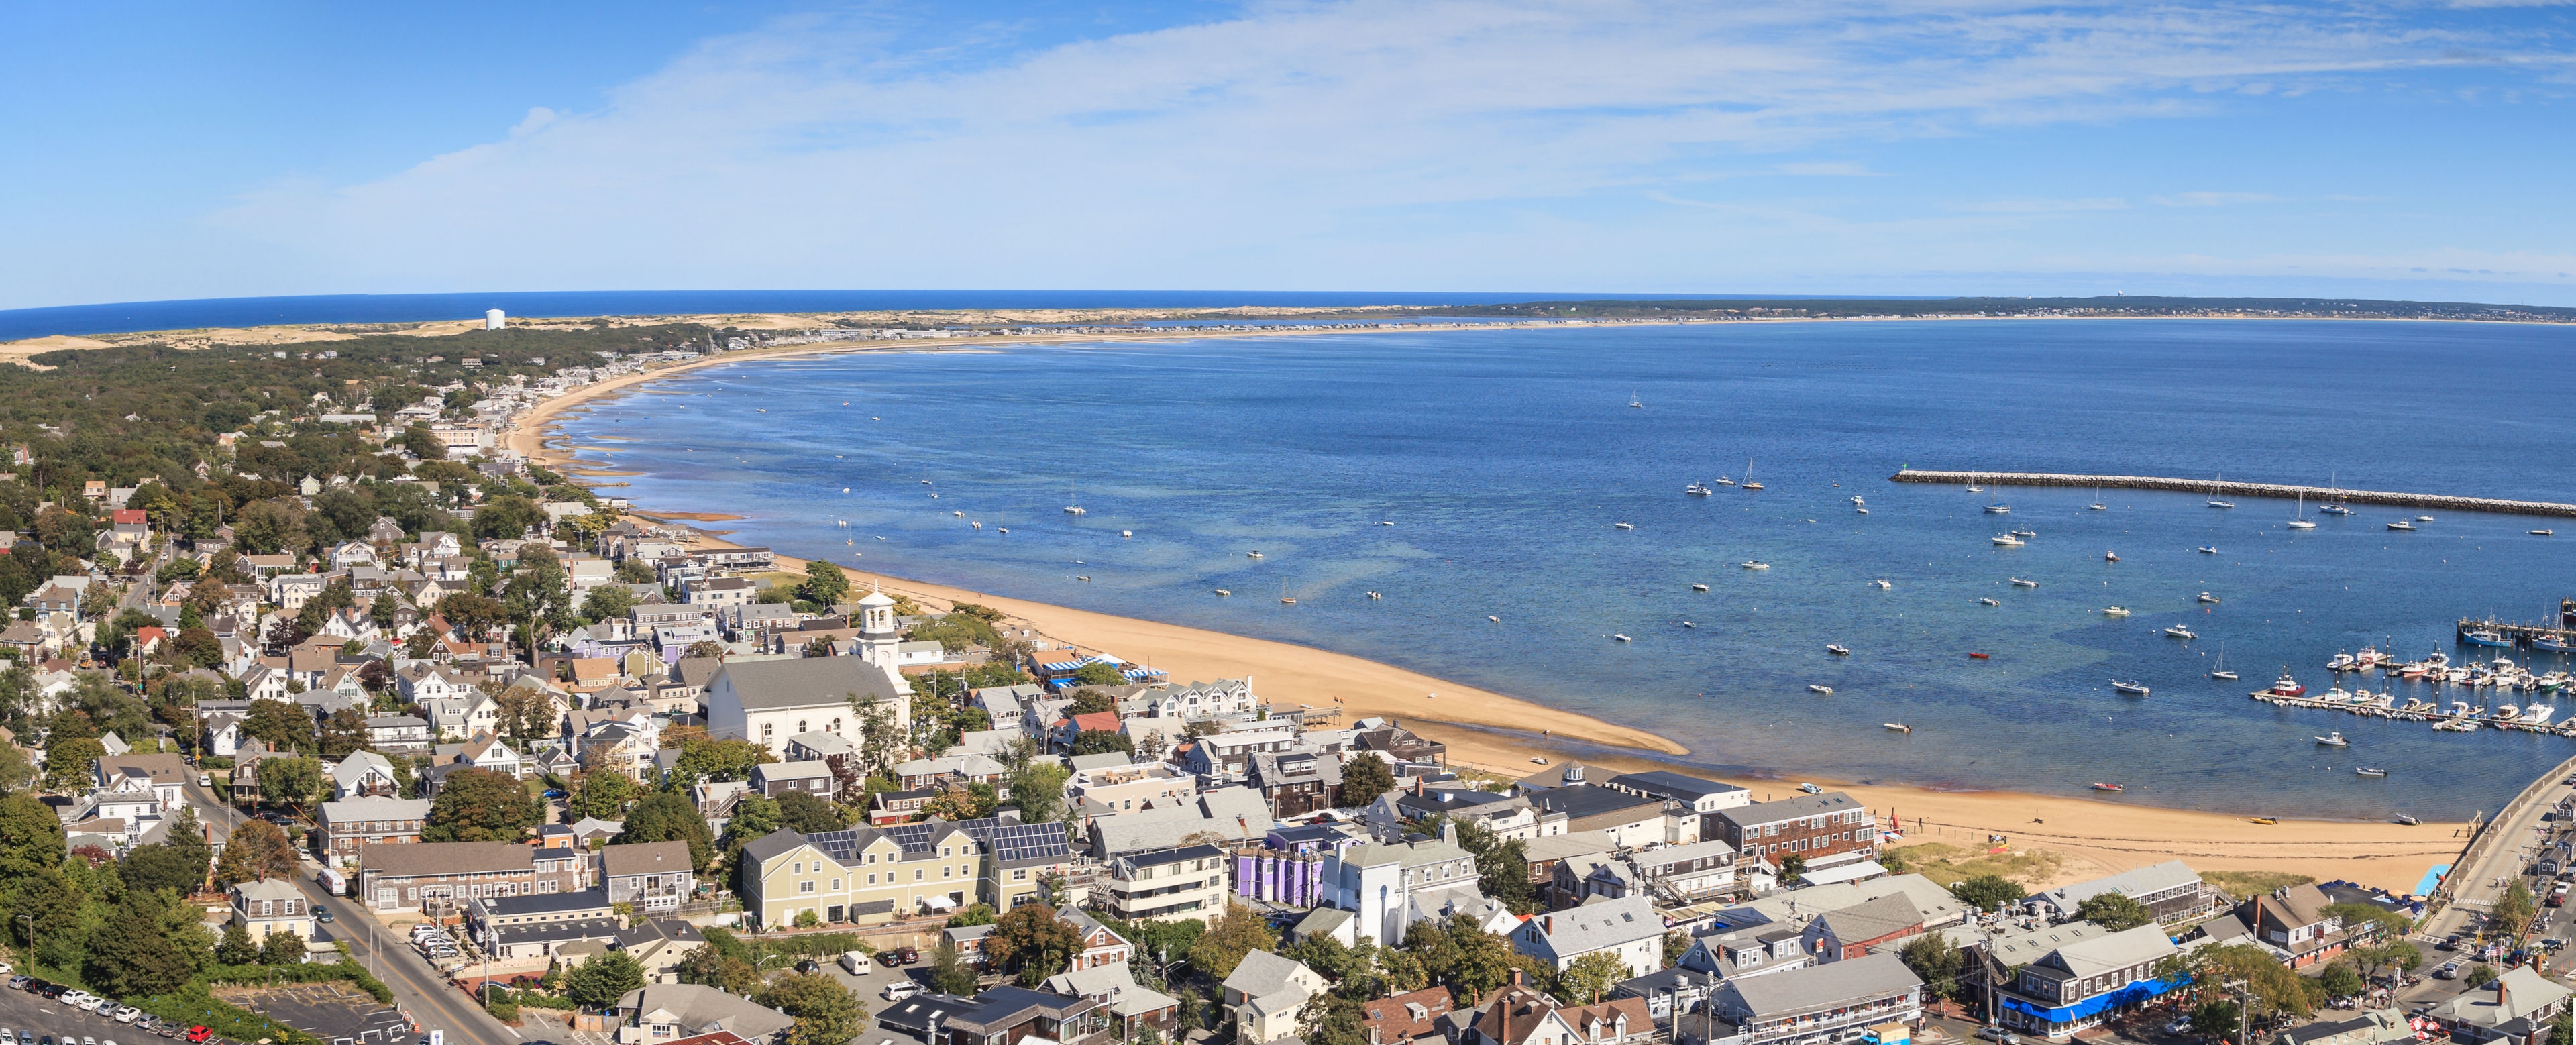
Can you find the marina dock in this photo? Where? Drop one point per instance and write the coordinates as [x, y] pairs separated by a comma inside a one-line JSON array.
[[2523, 636], [2230, 488], [2432, 712]]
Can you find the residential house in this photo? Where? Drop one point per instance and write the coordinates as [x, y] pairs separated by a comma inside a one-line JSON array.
[[814, 777], [1881, 923], [664, 1014], [2519, 1008], [1127, 788], [1688, 873], [1266, 993], [768, 701], [872, 875], [1509, 817], [1702, 796], [1229, 699], [2294, 920], [660, 945], [1521, 1016], [364, 774], [1296, 783], [1408, 1018], [1227, 756], [2171, 890], [1628, 929], [1811, 827], [1629, 819], [2084, 983], [405, 733], [350, 823], [2372, 1027], [1007, 1015], [1389, 887], [1187, 882], [1132, 1008], [1823, 1003], [1229, 815], [655, 876]]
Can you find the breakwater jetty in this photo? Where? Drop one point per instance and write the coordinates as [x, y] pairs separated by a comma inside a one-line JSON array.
[[2231, 488]]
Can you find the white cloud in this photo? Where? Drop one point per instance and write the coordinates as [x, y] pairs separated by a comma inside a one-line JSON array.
[[1362, 143], [2211, 199]]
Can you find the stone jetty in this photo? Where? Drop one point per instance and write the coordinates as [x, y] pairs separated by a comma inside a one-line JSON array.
[[2231, 488]]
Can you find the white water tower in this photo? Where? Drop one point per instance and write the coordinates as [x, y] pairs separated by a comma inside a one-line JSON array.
[[492, 318]]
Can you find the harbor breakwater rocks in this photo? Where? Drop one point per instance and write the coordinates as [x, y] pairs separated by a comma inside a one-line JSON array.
[[2223, 488]]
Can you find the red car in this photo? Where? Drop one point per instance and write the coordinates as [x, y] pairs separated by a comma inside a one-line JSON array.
[[197, 1035]]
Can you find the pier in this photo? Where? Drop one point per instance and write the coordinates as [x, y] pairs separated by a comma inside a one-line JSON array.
[[2420, 711], [2214, 488], [2523, 636]]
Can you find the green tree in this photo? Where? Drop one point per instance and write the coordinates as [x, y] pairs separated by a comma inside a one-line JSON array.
[[2513, 911], [601, 794], [712, 967], [702, 760], [282, 947], [1987, 892], [2114, 911], [2274, 989], [2216, 1018], [479, 805], [1502, 865], [2479, 975], [1091, 702], [1035, 942], [283, 725], [68, 763], [1590, 977], [2340, 981], [972, 915], [666, 817], [258, 849], [133, 955], [1238, 931], [1365, 778], [237, 947], [1098, 673], [344, 733], [804, 813], [948, 971], [290, 781], [824, 585], [1330, 1018], [1792, 866], [755, 816], [599, 982], [607, 602], [1101, 742], [826, 1013], [1934, 962], [149, 868], [1037, 785]]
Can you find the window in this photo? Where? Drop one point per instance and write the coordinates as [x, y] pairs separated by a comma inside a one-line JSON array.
[[836, 725], [800, 867], [1020, 875], [836, 885], [872, 878], [805, 886], [767, 731], [944, 871], [800, 726], [916, 874]]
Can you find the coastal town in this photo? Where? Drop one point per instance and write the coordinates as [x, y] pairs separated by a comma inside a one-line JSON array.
[[455, 744]]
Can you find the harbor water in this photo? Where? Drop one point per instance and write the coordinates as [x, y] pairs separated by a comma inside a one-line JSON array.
[[1505, 458]]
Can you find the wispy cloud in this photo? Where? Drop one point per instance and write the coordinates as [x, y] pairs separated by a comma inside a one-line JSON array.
[[2212, 199], [2044, 206]]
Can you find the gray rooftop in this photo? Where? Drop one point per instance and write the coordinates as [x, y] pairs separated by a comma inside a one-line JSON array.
[[803, 681], [1829, 986]]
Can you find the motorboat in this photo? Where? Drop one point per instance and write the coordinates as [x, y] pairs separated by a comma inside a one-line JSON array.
[[1980, 656], [2180, 632], [2110, 556], [1252, 555], [1754, 564], [2401, 524], [1883, 584], [2115, 611], [2367, 771], [2023, 533], [1856, 500], [2343, 662], [1896, 726], [2108, 787], [1623, 526], [1698, 490], [1725, 481], [2131, 686], [2542, 533], [1837, 650], [1863, 511], [1988, 602], [2006, 540], [2209, 549], [2405, 819], [2024, 582], [1222, 591], [2287, 687], [1616, 637], [1999, 509], [2484, 637], [2209, 598], [2423, 518], [1826, 690], [2333, 740], [2266, 820], [1699, 587]]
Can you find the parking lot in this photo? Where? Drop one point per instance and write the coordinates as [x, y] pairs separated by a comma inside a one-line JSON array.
[[31, 1015], [334, 1012]]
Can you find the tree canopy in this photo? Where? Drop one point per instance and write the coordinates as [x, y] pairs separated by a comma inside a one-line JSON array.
[[479, 805]]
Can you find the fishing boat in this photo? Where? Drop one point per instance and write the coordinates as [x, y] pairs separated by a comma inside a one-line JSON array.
[[1826, 690], [2213, 501], [2006, 540], [2287, 686], [2108, 787], [2334, 739], [1698, 490], [1980, 656], [2129, 686], [2024, 582], [1749, 484], [1999, 509], [1897, 726], [1754, 564], [2180, 632], [1988, 602], [2110, 556], [1623, 526], [2209, 549], [1699, 587], [2300, 521], [1837, 650], [2401, 524], [2209, 598], [1072, 495], [2115, 611], [2553, 645], [2483, 637], [2218, 670]]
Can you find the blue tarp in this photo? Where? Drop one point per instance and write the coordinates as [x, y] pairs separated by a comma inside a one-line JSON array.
[[2432, 879], [2136, 992]]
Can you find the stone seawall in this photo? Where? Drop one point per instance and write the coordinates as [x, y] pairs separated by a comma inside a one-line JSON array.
[[2225, 489]]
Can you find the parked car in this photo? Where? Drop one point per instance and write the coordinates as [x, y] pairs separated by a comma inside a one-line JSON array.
[[204, 780], [554, 793], [1999, 1036], [323, 914], [127, 1014], [19, 983], [2180, 1025], [889, 959], [901, 989], [198, 1034], [911, 957]]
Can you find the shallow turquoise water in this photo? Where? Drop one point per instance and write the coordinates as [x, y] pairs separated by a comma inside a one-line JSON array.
[[1505, 457]]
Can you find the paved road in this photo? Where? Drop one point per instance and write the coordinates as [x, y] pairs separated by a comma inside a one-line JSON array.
[[418, 988], [2516, 843]]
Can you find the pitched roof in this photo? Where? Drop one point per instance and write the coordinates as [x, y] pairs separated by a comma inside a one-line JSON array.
[[647, 858], [1594, 926], [2119, 950], [803, 682], [1828, 986], [701, 1008], [2137, 881], [1263, 974], [433, 858], [1115, 984], [1872, 918], [1791, 808]]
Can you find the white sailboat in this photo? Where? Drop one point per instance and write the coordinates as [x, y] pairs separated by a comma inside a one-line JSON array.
[[2300, 521], [1749, 484], [2334, 508], [1074, 496], [2214, 502], [2219, 670]]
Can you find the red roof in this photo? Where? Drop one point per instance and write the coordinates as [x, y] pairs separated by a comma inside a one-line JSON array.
[[1101, 720], [129, 516]]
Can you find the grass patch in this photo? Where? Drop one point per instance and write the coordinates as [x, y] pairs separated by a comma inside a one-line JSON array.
[[2241, 884], [1947, 865]]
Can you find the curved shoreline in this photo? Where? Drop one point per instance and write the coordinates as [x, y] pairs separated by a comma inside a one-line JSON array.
[[1501, 733]]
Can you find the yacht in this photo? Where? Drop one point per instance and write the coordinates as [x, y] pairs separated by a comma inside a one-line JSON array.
[[1699, 587], [1635, 403], [2209, 549], [2401, 524], [1988, 602], [1826, 690], [2218, 670], [1837, 650], [2024, 582], [2423, 518], [1896, 726], [2542, 533], [1725, 481], [2213, 501], [2300, 521], [1856, 499], [2369, 772], [2023, 533], [1071, 509], [2115, 611], [2180, 632], [2334, 740], [2129, 686], [2007, 540], [1749, 484], [1999, 509], [1622, 526], [1616, 637], [2110, 556], [1882, 584], [1698, 490], [2343, 662], [1754, 564], [2209, 598], [2332, 508]]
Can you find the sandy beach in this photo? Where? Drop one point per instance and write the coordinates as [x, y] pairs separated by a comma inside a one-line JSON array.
[[1501, 734]]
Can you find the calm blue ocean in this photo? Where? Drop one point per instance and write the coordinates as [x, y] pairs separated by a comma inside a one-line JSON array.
[[1504, 458]]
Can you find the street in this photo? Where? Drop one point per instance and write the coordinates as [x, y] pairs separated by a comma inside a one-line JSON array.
[[418, 989]]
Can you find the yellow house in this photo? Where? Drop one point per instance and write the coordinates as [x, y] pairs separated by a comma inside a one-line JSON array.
[[872, 875]]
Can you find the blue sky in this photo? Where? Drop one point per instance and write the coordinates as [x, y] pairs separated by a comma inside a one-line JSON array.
[[2415, 150]]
